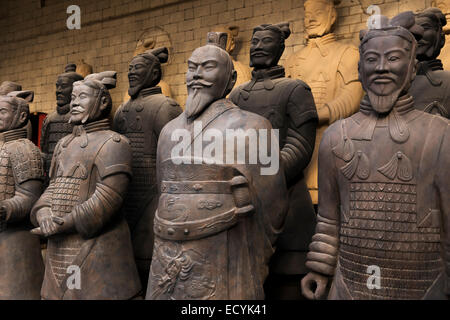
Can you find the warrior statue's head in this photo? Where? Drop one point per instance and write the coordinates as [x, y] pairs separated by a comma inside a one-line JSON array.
[[432, 20], [91, 100], [388, 62], [320, 17], [267, 45], [14, 109], [232, 33], [145, 70], [64, 85], [444, 6], [210, 76]]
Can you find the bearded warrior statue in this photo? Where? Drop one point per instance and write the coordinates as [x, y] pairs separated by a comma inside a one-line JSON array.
[[217, 218], [289, 106], [56, 125], [141, 120], [330, 68], [21, 179], [89, 252], [431, 87], [384, 184]]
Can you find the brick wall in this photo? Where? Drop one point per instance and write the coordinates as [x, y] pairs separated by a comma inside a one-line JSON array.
[[35, 43]]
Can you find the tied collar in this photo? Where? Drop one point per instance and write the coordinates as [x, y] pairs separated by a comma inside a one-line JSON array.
[[14, 134], [82, 131], [426, 68], [265, 75], [150, 91], [321, 43], [397, 124]]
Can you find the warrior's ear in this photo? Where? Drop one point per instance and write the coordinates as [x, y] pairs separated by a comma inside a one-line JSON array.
[[161, 53], [234, 30], [28, 96]]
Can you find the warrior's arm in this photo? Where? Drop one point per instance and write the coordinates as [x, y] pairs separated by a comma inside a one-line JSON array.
[[349, 90], [442, 181], [113, 164], [301, 133], [18, 207], [322, 256]]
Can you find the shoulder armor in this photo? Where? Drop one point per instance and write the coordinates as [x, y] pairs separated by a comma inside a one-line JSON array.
[[114, 156], [26, 160]]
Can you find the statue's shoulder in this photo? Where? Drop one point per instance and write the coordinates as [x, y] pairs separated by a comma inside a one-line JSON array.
[[26, 160]]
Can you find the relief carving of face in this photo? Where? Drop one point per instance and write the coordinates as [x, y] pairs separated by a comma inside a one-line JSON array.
[[319, 18], [429, 46], [265, 49], [386, 70], [209, 77], [140, 75], [63, 91]]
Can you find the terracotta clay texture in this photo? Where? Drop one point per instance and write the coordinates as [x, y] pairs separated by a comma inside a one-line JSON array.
[[216, 223], [383, 182], [141, 120], [431, 87], [21, 179], [330, 68], [289, 106], [89, 251]]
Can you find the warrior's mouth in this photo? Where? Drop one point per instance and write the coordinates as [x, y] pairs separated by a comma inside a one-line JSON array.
[[77, 110], [383, 80]]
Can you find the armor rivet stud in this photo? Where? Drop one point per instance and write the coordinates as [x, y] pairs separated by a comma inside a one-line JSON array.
[[170, 231], [198, 187], [186, 232], [159, 229]]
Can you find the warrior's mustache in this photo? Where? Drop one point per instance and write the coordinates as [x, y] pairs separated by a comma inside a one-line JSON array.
[[200, 82]]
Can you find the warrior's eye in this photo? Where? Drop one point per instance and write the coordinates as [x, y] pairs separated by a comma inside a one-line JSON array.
[[393, 58]]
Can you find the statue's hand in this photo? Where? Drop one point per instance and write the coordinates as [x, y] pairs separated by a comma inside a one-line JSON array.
[[314, 286], [46, 226]]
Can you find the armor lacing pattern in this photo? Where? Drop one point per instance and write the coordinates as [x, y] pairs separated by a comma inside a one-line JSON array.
[[7, 184], [381, 230], [63, 251]]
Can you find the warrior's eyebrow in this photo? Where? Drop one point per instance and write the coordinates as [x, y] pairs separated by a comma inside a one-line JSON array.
[[202, 62]]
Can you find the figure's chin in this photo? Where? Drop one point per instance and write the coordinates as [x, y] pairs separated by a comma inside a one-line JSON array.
[[197, 101]]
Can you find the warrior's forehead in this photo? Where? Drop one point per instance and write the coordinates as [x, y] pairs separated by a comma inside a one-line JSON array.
[[208, 53]]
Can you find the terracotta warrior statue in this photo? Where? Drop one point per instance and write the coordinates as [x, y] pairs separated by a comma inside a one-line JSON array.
[[243, 71], [431, 87], [217, 217], [382, 230], [289, 106], [21, 179], [89, 251], [330, 68], [56, 125], [141, 120]]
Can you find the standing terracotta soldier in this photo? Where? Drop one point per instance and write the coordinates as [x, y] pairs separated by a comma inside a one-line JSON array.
[[330, 68], [141, 120], [89, 252], [289, 105], [21, 178], [431, 87], [217, 220], [383, 230], [56, 124]]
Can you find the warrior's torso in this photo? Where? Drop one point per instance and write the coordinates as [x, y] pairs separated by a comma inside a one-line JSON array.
[[268, 96], [205, 224], [385, 220], [318, 65], [140, 121], [56, 126], [431, 87]]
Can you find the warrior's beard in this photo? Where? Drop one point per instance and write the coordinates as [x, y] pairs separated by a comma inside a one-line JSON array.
[[383, 104], [134, 91], [199, 99]]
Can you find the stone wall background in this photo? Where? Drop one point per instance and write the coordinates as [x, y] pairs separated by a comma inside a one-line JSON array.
[[35, 43]]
